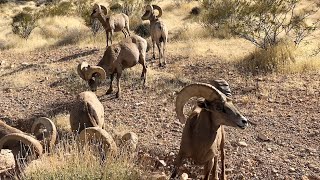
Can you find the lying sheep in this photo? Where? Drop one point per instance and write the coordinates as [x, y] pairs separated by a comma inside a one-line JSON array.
[[159, 31], [116, 58], [11, 137], [113, 23], [203, 134], [86, 112]]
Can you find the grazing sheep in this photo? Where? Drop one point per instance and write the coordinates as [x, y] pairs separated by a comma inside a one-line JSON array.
[[87, 112], [113, 23], [159, 31], [116, 58], [203, 134], [11, 137], [99, 135]]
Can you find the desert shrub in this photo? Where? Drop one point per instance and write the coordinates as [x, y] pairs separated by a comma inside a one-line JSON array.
[[116, 7], [95, 26], [264, 23], [272, 59], [71, 36], [143, 30], [56, 9], [23, 23], [84, 9]]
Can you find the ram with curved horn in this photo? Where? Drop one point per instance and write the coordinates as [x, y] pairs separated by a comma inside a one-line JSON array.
[[99, 135], [159, 31], [116, 58], [203, 134], [112, 23], [12, 138], [87, 111]]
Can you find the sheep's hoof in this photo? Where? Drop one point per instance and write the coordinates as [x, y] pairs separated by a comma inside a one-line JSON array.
[[109, 91], [117, 95], [154, 57]]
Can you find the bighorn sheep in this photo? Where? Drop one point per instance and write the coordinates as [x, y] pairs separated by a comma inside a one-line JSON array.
[[203, 134], [113, 23], [99, 135], [159, 31], [116, 58], [87, 112], [11, 137]]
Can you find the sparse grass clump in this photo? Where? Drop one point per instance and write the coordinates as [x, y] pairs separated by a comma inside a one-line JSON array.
[[23, 23], [70, 161], [273, 59]]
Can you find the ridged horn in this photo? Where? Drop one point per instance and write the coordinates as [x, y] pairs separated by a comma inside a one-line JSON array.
[[95, 69], [207, 91], [104, 9], [50, 136], [223, 86], [159, 10], [147, 14], [81, 69], [100, 135], [35, 145]]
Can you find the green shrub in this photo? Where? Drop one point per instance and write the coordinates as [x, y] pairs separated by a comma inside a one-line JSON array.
[[116, 7], [23, 23], [143, 30]]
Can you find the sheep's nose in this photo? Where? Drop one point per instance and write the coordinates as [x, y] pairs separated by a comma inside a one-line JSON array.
[[245, 121]]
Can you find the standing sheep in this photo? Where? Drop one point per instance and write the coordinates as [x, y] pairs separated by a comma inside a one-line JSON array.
[[159, 31], [203, 134], [116, 58], [112, 23], [87, 112]]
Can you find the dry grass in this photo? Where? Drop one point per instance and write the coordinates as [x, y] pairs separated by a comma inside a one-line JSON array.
[[70, 161]]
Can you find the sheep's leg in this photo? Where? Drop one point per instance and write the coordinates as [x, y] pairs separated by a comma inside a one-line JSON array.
[[118, 84], [124, 32], [111, 34], [127, 28], [207, 169], [222, 152], [215, 168], [160, 54], [110, 88], [177, 164], [107, 33], [142, 61], [153, 45], [164, 49]]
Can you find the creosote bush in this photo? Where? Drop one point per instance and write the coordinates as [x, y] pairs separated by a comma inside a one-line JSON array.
[[23, 23]]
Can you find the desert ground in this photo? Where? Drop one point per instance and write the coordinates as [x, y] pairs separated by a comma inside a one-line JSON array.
[[281, 142]]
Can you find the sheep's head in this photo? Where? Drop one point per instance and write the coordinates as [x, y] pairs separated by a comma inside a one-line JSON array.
[[98, 10], [216, 102], [149, 13], [92, 74]]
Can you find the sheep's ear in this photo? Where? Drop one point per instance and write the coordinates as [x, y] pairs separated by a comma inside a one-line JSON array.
[[223, 86], [104, 9]]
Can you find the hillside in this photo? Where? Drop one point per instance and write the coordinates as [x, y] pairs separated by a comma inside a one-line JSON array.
[[39, 78]]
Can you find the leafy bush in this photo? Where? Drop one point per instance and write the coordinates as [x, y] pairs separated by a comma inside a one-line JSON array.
[[143, 30], [264, 23], [23, 23], [116, 7]]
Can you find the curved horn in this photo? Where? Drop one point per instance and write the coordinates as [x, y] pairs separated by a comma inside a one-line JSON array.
[[81, 68], [147, 14], [206, 91], [95, 69], [99, 135], [104, 9], [223, 86], [51, 131], [159, 10], [25, 139], [131, 139]]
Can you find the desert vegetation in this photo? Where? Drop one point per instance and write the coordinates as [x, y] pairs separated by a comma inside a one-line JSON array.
[[267, 51]]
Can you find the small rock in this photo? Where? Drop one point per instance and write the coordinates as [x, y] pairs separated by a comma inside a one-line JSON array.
[[291, 169], [269, 149], [184, 176], [263, 137], [274, 170], [242, 143], [162, 163], [24, 64]]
